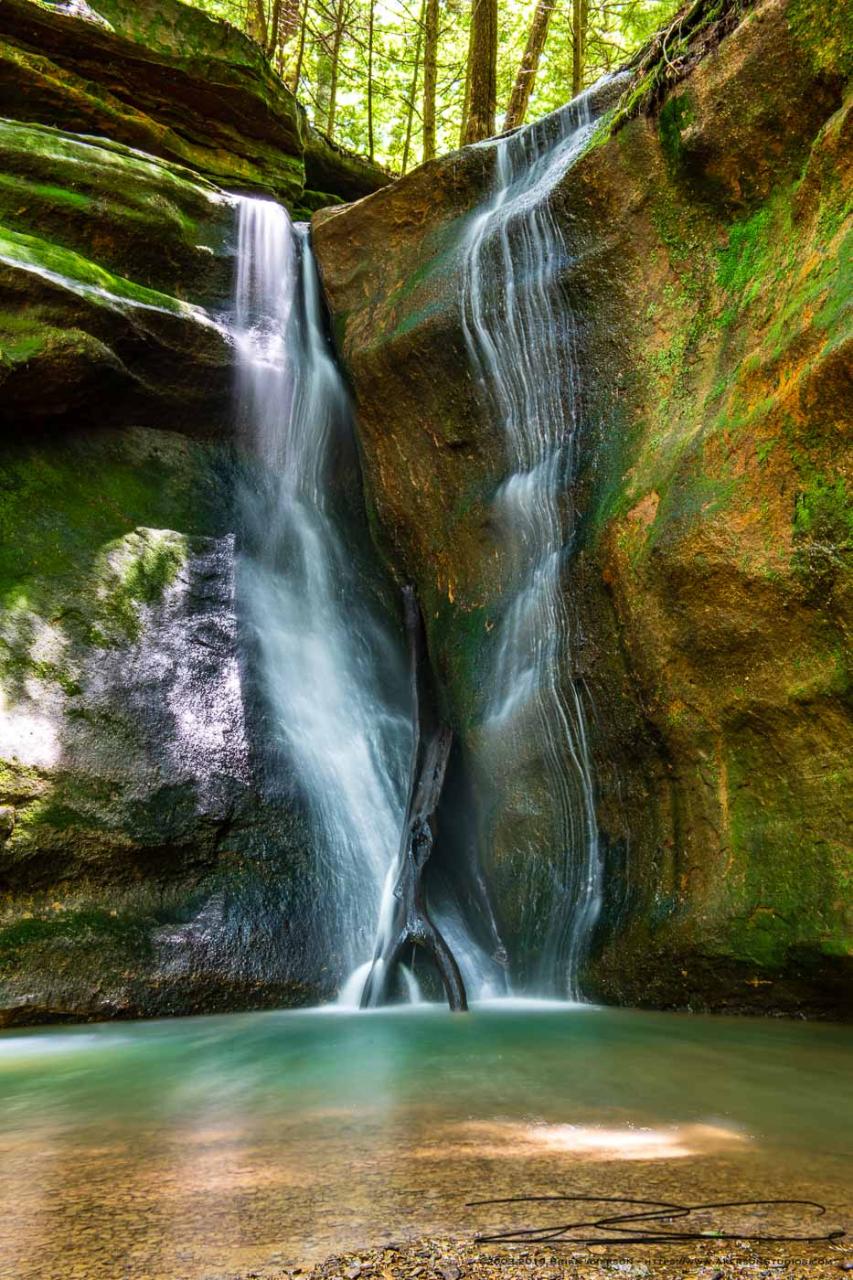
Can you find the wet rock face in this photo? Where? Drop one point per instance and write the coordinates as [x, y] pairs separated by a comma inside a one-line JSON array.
[[113, 266], [152, 859], [711, 580], [164, 680], [148, 863]]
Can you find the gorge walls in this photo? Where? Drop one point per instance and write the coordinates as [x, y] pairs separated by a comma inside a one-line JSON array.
[[709, 582], [155, 854]]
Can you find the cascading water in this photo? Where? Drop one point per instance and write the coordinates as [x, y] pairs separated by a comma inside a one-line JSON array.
[[520, 336], [331, 671]]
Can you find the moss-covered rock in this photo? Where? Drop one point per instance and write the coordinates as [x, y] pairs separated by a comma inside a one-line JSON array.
[[147, 863], [112, 265], [154, 223], [170, 80], [158, 75], [329, 168], [152, 860], [711, 584]]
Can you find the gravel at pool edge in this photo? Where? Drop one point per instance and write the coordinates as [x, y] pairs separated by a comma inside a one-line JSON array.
[[441, 1258]]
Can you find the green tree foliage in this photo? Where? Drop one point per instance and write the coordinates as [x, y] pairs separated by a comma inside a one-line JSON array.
[[359, 65]]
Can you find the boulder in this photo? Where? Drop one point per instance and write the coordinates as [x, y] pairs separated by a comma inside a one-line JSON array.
[[151, 864]]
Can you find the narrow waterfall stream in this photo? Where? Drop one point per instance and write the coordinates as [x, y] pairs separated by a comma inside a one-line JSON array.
[[331, 669], [520, 334]]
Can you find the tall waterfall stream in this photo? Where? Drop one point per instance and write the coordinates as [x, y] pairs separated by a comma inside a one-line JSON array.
[[520, 336], [329, 666]]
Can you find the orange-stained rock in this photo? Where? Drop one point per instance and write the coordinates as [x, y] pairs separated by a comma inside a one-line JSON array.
[[711, 581]]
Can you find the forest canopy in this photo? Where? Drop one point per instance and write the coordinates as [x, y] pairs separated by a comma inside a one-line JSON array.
[[404, 80]]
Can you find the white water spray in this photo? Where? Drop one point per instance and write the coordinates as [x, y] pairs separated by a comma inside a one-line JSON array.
[[333, 675]]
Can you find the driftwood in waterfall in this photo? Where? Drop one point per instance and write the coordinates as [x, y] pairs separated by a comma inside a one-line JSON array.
[[410, 924]]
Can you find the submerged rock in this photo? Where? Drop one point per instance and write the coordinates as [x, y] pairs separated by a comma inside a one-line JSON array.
[[452, 1259], [710, 581]]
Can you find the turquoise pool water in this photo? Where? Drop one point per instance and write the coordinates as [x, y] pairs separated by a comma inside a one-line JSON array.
[[198, 1147]]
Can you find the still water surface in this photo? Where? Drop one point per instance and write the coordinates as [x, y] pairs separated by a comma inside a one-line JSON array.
[[194, 1148]]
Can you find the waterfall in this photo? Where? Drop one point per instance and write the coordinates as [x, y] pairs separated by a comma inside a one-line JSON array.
[[520, 335], [331, 671]]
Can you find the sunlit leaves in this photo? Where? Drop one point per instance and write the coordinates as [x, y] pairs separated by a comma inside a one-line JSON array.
[[615, 29]]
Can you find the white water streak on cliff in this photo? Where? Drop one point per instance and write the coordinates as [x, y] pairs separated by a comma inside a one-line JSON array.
[[520, 335]]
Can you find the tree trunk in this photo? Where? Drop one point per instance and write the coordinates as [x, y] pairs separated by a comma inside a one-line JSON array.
[[256, 22], [482, 71], [337, 37], [580, 14], [411, 925], [466, 97], [370, 81], [519, 99], [293, 82], [273, 32], [430, 75], [414, 91], [288, 27]]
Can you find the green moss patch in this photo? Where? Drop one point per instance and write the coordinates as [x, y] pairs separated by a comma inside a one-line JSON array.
[[72, 271], [71, 930], [87, 540]]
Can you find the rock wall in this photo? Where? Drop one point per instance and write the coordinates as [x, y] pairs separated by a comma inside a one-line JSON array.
[[710, 280], [153, 854], [152, 858], [168, 79]]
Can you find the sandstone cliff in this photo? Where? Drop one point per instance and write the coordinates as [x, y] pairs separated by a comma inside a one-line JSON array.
[[709, 279]]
